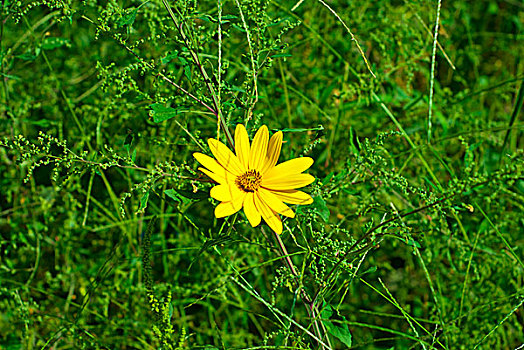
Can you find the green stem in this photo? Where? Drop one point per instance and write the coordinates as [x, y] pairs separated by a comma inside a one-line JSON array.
[[207, 81], [311, 307]]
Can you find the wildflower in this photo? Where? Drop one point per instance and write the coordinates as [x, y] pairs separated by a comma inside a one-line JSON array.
[[252, 180]]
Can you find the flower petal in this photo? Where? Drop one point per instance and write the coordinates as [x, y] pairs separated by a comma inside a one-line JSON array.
[[251, 210], [225, 157], [287, 183], [257, 154], [293, 196], [270, 216], [273, 151], [292, 166], [226, 178], [242, 145], [225, 209], [212, 175], [238, 199], [231, 207], [275, 203], [212, 165], [224, 193]]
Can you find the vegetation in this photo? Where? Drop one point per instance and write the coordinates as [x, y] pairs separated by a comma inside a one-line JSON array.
[[410, 110]]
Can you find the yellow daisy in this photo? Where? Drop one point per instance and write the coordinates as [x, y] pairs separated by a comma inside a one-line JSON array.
[[252, 180]]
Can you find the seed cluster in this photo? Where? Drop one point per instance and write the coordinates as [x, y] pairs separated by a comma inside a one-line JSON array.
[[249, 181]]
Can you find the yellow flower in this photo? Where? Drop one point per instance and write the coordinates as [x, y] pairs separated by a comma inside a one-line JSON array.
[[252, 180]]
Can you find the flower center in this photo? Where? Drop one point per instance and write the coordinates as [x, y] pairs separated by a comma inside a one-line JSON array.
[[249, 181]]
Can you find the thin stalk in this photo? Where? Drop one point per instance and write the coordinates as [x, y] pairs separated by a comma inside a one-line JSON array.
[[255, 88], [203, 72], [432, 74], [514, 114], [171, 82], [2, 72], [375, 228], [286, 93], [219, 79], [353, 38], [312, 309], [62, 92]]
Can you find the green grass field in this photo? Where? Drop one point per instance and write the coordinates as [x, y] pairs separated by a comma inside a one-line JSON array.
[[411, 110]]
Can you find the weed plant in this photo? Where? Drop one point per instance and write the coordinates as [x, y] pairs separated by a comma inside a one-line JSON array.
[[410, 110]]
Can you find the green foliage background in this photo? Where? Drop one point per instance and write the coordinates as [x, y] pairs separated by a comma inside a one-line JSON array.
[[108, 239]]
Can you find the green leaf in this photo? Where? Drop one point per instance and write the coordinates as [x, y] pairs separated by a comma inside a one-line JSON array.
[[9, 76], [169, 57], [354, 142], [237, 89], [160, 113], [128, 18], [281, 20], [193, 195], [430, 183], [413, 243], [409, 242], [52, 43], [339, 330], [128, 141], [44, 123], [222, 239], [187, 72], [320, 207], [350, 191], [514, 114], [281, 55], [342, 333], [239, 28], [370, 270], [319, 128], [208, 19], [172, 198], [328, 178], [143, 202], [172, 194], [29, 55]]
